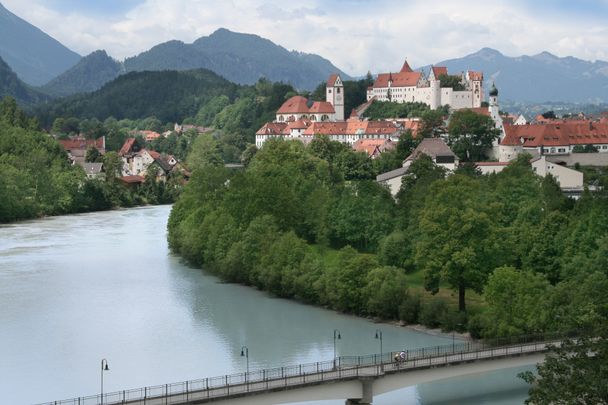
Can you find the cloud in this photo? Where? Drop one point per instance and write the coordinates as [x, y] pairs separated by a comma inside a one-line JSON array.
[[357, 35]]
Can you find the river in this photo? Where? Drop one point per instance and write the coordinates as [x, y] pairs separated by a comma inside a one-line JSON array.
[[80, 288]]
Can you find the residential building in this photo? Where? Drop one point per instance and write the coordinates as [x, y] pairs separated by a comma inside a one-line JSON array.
[[76, 147], [435, 148], [374, 147]]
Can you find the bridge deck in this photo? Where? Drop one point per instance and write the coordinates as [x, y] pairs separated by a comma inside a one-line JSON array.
[[284, 378]]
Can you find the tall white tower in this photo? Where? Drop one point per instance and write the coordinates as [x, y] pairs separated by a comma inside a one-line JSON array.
[[493, 107], [334, 94]]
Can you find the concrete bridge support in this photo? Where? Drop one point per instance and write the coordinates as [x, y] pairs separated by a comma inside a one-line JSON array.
[[367, 393]]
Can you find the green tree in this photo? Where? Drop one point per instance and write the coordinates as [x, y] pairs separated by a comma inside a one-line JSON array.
[[452, 81], [470, 135], [432, 124], [92, 155], [454, 237]]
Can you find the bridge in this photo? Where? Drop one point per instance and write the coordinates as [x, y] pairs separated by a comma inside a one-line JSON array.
[[357, 378]]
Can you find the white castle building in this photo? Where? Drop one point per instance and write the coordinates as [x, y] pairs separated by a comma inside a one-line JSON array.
[[409, 86]]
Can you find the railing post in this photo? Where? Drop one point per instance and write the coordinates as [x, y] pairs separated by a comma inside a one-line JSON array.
[[124, 397], [187, 392], [145, 394], [166, 394]]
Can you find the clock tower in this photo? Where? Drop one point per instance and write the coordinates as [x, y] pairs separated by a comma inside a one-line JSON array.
[[334, 94]]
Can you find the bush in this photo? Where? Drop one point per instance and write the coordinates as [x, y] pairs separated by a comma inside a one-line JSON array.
[[433, 312], [409, 310]]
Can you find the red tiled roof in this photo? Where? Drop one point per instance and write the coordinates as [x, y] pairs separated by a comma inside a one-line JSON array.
[[81, 143], [480, 110], [150, 135], [406, 67], [332, 80], [439, 70], [127, 146], [295, 105], [353, 127], [401, 79], [373, 146], [272, 128], [476, 76], [320, 107], [556, 134], [132, 179], [155, 155], [298, 124]]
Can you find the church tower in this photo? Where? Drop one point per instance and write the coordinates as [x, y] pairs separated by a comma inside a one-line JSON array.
[[493, 107], [334, 94]]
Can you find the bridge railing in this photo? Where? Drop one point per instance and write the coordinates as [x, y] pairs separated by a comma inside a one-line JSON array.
[[339, 368]]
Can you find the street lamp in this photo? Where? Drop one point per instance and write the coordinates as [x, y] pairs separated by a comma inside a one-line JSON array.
[[379, 336], [104, 367], [245, 353], [336, 336]]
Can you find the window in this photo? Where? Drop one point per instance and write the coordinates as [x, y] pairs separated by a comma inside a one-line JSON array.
[[329, 91], [338, 90]]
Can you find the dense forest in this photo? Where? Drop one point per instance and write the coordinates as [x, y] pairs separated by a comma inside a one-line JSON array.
[[37, 179], [498, 255]]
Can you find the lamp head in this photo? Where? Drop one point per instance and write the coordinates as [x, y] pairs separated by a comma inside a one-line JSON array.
[[242, 352], [376, 334], [106, 368], [339, 337]]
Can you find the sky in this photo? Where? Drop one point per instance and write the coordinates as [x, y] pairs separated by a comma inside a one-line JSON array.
[[356, 35]]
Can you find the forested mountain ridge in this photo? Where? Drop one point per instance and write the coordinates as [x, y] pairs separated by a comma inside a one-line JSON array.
[[89, 74], [32, 54], [11, 85], [170, 96]]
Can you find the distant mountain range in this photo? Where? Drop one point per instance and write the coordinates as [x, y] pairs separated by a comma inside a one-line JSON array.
[[32, 54], [538, 78]]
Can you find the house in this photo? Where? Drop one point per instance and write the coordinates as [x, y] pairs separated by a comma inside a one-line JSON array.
[[410, 86], [556, 138], [374, 147], [132, 181], [137, 160], [77, 147], [435, 148]]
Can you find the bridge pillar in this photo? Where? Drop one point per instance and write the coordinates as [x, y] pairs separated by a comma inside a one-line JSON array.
[[367, 391]]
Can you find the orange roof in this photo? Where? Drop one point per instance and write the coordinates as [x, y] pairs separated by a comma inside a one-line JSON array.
[[480, 110], [373, 146], [354, 127], [133, 179], [401, 79], [319, 107], [272, 128], [298, 124], [439, 70], [332, 80], [556, 134], [406, 67], [295, 105], [476, 76]]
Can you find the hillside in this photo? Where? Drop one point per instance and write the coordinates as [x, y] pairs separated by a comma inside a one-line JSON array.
[[538, 78], [33, 55], [241, 58], [169, 95], [11, 85], [90, 74]]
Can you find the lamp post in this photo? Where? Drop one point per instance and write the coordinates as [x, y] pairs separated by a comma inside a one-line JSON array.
[[336, 336], [104, 367], [245, 353], [379, 336]]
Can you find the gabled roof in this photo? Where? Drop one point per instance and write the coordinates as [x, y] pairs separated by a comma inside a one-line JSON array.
[[406, 67], [401, 79], [155, 155], [295, 105], [373, 146], [321, 107], [481, 110], [272, 128], [136, 179], [432, 147], [392, 174], [82, 143], [92, 168], [331, 82], [127, 146]]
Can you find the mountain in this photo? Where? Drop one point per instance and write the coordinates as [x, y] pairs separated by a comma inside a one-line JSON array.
[[538, 78], [241, 58], [32, 54], [170, 96], [90, 74], [11, 85]]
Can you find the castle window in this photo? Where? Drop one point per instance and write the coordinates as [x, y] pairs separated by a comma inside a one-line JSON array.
[[281, 119], [329, 90], [338, 90]]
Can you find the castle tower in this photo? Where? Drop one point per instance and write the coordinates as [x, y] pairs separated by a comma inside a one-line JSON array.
[[334, 94]]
